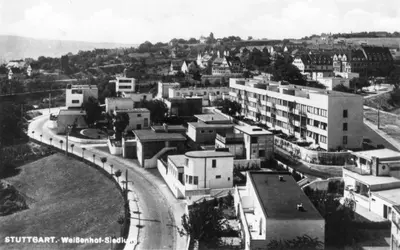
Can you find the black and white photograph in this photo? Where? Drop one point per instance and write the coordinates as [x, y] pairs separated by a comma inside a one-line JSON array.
[[200, 125]]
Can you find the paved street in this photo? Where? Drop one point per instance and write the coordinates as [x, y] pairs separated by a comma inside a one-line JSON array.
[[150, 199]]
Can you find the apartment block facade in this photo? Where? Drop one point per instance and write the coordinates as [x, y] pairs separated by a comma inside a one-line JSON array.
[[77, 95], [329, 119]]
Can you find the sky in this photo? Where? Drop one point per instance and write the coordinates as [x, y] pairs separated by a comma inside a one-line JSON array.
[[133, 21]]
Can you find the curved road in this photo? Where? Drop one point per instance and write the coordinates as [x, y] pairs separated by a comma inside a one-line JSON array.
[[156, 226]]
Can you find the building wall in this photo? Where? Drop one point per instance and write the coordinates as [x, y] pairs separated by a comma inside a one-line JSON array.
[[118, 103], [377, 206], [207, 175], [395, 231], [290, 229], [137, 98], [265, 143], [206, 135], [331, 83], [236, 149], [73, 100], [136, 118], [125, 84], [354, 120], [163, 88]]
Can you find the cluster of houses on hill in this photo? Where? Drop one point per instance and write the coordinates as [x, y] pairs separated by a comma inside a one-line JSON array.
[[198, 158]]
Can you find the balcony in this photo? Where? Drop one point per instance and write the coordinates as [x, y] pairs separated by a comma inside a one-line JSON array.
[[230, 138], [233, 94], [357, 170], [252, 99]]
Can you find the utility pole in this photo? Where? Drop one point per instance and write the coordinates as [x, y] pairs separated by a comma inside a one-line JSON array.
[[126, 182]]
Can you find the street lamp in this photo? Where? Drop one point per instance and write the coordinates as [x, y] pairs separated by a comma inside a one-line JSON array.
[[69, 127], [33, 134], [72, 148], [41, 138], [83, 152], [51, 140], [112, 168], [94, 157]]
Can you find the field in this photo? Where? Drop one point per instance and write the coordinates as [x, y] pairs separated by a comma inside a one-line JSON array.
[[65, 198], [389, 123]]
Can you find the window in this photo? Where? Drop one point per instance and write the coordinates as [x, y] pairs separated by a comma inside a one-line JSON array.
[[261, 153], [210, 131], [345, 113], [254, 139], [146, 122], [218, 177], [186, 178], [190, 179], [75, 101], [344, 140], [345, 126], [217, 92], [195, 180], [138, 126], [186, 162], [229, 178], [202, 131], [322, 138], [214, 163], [139, 115]]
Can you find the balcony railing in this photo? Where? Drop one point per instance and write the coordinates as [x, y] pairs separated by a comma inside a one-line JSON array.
[[357, 170], [230, 138]]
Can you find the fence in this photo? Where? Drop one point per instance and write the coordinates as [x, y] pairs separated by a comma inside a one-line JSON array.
[[126, 224], [311, 156]]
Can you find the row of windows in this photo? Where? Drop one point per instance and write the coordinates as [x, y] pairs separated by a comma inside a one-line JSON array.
[[76, 91], [191, 93], [124, 87], [75, 101]]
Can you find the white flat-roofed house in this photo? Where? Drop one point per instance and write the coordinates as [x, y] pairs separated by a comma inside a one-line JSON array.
[[209, 95], [395, 229], [139, 118], [272, 206], [163, 88], [125, 84], [115, 103], [77, 95], [372, 178], [67, 118], [197, 172]]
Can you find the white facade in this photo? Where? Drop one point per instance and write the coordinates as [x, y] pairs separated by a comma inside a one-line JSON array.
[[372, 179], [208, 94], [125, 84], [332, 82], [77, 95], [197, 172], [395, 229], [29, 70], [329, 119], [299, 64], [137, 98], [115, 103], [138, 118], [347, 75], [163, 88]]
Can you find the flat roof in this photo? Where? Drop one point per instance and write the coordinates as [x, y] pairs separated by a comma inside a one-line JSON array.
[[211, 117], [253, 130], [170, 127], [71, 112], [177, 160], [119, 98], [208, 154], [83, 87], [391, 195], [135, 110], [382, 154], [279, 199], [206, 125], [397, 208], [150, 135], [373, 180]]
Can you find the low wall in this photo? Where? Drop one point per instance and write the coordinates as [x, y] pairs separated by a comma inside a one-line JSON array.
[[290, 169], [197, 192], [322, 185], [114, 150], [162, 169], [311, 156], [152, 162], [251, 164], [246, 237]]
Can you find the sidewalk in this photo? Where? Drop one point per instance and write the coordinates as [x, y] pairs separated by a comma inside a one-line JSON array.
[[385, 136]]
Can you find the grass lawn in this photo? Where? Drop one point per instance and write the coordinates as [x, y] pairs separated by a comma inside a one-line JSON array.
[[65, 198], [390, 124]]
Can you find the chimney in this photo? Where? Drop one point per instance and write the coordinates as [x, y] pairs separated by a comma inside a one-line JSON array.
[[280, 178], [300, 207], [165, 127]]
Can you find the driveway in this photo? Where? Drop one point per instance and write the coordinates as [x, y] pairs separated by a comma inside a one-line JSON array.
[[155, 212]]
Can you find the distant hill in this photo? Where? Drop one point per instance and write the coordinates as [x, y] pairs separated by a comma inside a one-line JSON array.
[[17, 47]]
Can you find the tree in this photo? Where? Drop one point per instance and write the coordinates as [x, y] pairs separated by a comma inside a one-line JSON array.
[[158, 110], [284, 70], [93, 111], [120, 122], [103, 160], [304, 242], [228, 107], [249, 38], [118, 173], [204, 222], [358, 83], [11, 125], [342, 88]]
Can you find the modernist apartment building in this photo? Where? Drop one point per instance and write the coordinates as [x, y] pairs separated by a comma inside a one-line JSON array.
[[198, 171], [272, 206], [77, 95], [329, 119], [208, 94], [139, 118], [372, 178]]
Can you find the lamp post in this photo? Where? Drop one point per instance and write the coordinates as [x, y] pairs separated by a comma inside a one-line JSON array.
[[33, 134], [83, 153], [66, 141], [51, 140], [112, 169], [41, 137], [94, 157]]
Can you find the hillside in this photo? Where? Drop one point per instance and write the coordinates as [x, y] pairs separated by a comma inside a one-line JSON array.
[[65, 198], [17, 47]]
